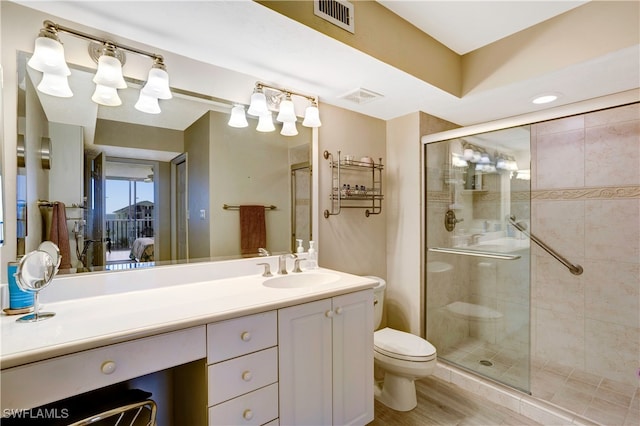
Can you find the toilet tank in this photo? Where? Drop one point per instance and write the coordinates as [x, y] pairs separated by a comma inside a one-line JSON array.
[[378, 300]]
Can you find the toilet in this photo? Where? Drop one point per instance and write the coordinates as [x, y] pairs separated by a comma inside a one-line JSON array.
[[404, 357]]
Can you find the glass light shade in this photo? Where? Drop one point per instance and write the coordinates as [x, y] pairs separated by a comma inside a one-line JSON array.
[[105, 95], [258, 106], [48, 56], [289, 129], [110, 73], [55, 85], [287, 112], [312, 117], [147, 104], [157, 84], [468, 154], [484, 159], [265, 123], [501, 164], [476, 156], [238, 119]]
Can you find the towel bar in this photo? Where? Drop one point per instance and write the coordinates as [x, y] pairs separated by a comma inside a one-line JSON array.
[[236, 207]]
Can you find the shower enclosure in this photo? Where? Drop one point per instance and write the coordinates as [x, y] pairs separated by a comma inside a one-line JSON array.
[[478, 258]]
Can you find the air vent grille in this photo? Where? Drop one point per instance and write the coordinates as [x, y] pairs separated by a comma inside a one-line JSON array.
[[361, 96], [338, 12]]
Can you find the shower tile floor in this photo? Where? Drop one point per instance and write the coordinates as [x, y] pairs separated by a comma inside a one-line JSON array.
[[596, 398]]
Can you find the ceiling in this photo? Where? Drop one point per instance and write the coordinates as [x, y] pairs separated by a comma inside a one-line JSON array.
[[250, 38]]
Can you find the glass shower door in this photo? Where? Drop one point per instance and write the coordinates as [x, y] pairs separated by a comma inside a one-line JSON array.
[[477, 263]]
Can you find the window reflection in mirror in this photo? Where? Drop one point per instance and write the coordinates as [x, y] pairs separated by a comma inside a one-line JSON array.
[[193, 161]]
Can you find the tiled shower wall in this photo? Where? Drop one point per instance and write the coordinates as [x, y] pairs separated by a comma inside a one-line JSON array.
[[585, 185]]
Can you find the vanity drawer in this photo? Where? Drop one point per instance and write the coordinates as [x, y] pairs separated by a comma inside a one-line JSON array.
[[255, 408], [241, 375], [232, 338], [32, 385]]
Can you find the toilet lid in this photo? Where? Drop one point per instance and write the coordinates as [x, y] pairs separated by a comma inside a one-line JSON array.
[[401, 345]]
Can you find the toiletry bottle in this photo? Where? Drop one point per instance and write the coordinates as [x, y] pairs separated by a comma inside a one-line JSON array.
[[18, 299], [312, 259], [300, 249]]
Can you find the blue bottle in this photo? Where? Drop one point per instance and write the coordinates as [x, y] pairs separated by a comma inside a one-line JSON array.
[[18, 299]]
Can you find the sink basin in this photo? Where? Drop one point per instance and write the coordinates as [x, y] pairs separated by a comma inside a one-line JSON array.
[[502, 245], [300, 280]]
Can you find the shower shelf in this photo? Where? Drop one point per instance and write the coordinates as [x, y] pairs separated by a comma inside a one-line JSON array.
[[369, 198]]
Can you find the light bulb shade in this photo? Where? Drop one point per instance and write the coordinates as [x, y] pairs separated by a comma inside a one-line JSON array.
[[110, 73], [48, 56], [287, 112], [147, 104], [468, 154], [312, 117], [258, 106], [55, 85], [157, 84], [238, 118], [289, 128], [105, 95], [265, 123]]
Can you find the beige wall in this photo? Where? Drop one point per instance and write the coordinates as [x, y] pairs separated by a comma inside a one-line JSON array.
[[249, 167], [350, 242], [396, 45], [404, 299], [586, 205], [582, 34]]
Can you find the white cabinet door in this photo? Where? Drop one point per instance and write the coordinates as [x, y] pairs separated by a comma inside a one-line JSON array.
[[353, 358], [304, 341], [326, 361]]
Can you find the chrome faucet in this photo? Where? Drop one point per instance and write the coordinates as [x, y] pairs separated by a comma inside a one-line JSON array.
[[296, 264], [262, 252], [282, 262]]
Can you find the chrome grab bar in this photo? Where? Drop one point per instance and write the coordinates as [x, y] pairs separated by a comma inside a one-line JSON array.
[[574, 269], [476, 253]]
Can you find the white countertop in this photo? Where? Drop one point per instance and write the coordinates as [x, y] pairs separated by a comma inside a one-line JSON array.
[[90, 322]]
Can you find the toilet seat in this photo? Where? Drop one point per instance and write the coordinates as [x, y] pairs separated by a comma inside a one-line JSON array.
[[404, 346]]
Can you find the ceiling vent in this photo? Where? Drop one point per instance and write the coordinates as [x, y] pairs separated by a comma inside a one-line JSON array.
[[361, 96], [338, 12]]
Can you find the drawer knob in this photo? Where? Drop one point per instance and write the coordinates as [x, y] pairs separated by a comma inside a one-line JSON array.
[[245, 336], [328, 314], [247, 376], [108, 367], [247, 414], [338, 310]]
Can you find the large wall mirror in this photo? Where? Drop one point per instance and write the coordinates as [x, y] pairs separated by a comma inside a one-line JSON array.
[[151, 189]]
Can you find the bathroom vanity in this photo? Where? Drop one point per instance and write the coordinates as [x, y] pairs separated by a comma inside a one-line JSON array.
[[243, 349]]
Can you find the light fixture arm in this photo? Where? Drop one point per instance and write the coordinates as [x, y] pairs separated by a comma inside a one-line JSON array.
[[312, 99], [52, 28]]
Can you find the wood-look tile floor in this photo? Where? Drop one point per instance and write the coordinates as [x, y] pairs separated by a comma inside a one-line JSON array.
[[441, 403]]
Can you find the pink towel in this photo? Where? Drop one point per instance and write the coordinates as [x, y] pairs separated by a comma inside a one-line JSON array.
[[60, 234], [253, 230]]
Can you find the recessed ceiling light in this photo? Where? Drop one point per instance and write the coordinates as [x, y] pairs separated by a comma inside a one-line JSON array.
[[545, 99]]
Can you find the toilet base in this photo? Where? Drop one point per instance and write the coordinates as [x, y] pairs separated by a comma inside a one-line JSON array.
[[396, 392]]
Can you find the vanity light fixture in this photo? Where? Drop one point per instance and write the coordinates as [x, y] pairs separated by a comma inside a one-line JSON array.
[[48, 58], [238, 118], [266, 99], [265, 122]]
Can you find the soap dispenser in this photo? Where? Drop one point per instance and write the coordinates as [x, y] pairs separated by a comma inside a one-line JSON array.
[[312, 260], [300, 249]]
